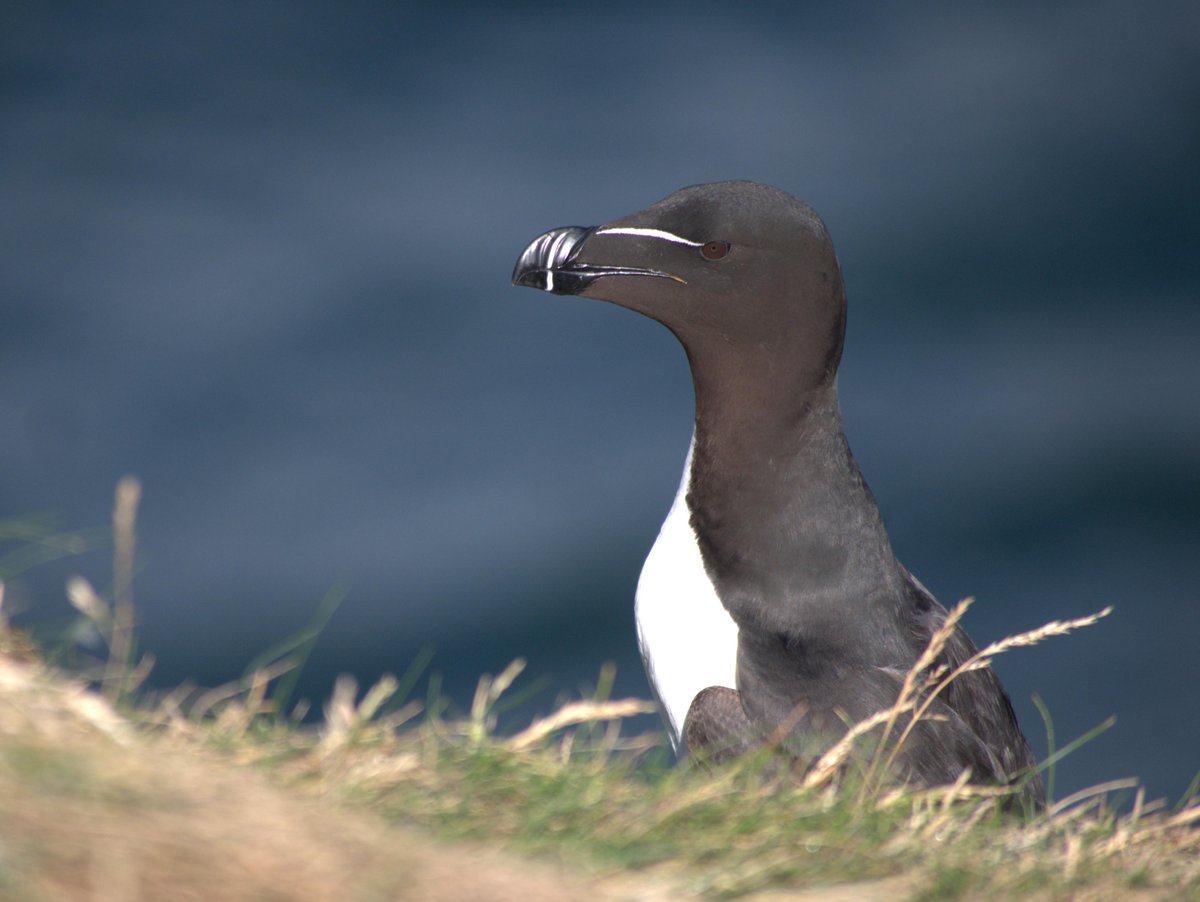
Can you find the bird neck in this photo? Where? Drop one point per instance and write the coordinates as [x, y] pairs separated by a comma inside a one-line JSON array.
[[789, 531]]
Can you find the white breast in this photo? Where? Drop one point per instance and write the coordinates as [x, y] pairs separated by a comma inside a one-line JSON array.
[[687, 638]]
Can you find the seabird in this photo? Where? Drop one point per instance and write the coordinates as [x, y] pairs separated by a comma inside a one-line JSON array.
[[771, 599]]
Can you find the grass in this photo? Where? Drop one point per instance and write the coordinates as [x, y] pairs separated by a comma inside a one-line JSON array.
[[107, 792]]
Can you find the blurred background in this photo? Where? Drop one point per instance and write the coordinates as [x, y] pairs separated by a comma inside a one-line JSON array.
[[258, 254]]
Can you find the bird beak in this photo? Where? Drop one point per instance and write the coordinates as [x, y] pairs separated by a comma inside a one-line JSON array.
[[552, 263], [549, 261]]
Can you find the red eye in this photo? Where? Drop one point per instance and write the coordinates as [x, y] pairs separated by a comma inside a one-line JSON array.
[[714, 250]]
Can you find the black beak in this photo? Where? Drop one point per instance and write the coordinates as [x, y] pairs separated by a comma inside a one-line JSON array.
[[551, 263], [547, 262]]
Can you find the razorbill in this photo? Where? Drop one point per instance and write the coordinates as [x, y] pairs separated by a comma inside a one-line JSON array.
[[771, 601]]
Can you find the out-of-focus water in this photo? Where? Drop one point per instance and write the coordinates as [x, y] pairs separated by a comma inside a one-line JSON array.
[[258, 254]]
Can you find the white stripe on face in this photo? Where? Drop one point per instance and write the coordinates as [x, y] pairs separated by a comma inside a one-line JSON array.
[[651, 233]]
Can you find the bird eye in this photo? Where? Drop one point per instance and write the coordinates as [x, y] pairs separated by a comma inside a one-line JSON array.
[[714, 250]]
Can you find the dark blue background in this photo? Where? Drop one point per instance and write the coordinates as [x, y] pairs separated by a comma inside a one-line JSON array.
[[258, 254]]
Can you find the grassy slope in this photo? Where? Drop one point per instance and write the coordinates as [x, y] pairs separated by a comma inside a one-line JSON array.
[[238, 805], [93, 807]]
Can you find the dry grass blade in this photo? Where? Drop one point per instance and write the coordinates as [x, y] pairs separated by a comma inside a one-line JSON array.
[[1180, 821], [344, 719], [209, 699], [944, 807], [1091, 792], [981, 659], [936, 643], [1033, 637], [487, 693], [915, 682], [120, 649], [88, 603], [829, 763], [578, 713], [1128, 825]]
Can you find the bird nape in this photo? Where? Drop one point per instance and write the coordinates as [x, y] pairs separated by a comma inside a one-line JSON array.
[[771, 600]]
